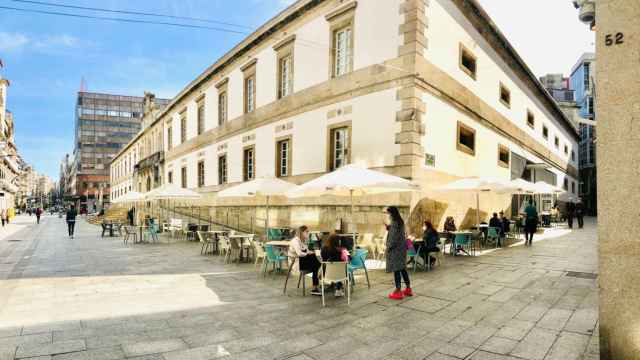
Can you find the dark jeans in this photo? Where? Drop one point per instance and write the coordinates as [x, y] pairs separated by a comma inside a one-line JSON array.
[[38, 219], [3, 222], [71, 225], [570, 221], [530, 228], [405, 276], [580, 221], [310, 264]]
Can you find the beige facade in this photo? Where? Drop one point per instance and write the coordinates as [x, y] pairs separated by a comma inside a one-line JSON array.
[[433, 93]]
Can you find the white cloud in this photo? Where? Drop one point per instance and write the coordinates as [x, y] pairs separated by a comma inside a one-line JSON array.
[[12, 41], [19, 42]]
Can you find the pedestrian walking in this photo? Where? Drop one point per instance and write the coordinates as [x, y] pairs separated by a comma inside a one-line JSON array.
[[71, 220], [571, 212], [131, 215], [580, 213], [530, 223], [397, 253], [38, 214], [3, 215]]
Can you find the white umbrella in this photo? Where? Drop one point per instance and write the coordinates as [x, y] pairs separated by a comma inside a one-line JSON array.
[[353, 180], [477, 185], [266, 187], [546, 188], [131, 196], [524, 187], [173, 192]]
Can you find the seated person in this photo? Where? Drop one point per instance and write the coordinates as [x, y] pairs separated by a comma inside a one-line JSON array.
[[495, 222], [331, 252], [307, 260], [430, 237], [506, 223], [449, 224]]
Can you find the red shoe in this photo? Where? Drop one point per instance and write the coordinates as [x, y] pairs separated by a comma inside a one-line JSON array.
[[396, 295], [407, 292]]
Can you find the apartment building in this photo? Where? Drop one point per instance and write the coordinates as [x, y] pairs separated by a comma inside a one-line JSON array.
[[433, 93]]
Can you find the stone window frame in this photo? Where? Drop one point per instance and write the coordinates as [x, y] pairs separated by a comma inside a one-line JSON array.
[[223, 171], [330, 143], [463, 50], [223, 101], [545, 132], [502, 149], [183, 177], [504, 90], [245, 163], [279, 140], [201, 173], [200, 114], [462, 147], [183, 126], [530, 119], [340, 19], [249, 73], [284, 49]]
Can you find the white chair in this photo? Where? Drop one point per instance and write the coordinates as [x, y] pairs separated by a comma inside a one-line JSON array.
[[333, 272], [224, 247], [366, 241], [259, 254]]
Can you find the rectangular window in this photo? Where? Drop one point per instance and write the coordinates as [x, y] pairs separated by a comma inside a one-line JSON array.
[[183, 177], [250, 94], [248, 164], [201, 173], [339, 147], [503, 156], [590, 105], [201, 116], [565, 185], [467, 62], [531, 120], [556, 142], [222, 169], [285, 76], [183, 127], [466, 139], [505, 96], [283, 158], [566, 150], [342, 46], [222, 107], [545, 132], [573, 187], [170, 137], [573, 155]]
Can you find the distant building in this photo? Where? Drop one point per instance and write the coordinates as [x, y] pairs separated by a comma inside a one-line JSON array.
[[9, 168], [104, 123], [582, 83]]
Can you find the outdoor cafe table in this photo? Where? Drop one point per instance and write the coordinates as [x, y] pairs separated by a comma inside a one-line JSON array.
[[216, 236], [241, 238]]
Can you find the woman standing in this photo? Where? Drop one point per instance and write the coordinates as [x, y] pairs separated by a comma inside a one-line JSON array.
[[397, 253]]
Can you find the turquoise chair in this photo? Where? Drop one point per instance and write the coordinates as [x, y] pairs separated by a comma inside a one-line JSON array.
[[463, 240], [493, 233], [272, 258], [274, 234], [358, 263], [414, 255]]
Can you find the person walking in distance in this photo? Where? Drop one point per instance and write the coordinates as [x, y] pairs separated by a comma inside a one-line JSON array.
[[571, 211], [38, 214], [530, 223], [397, 253], [3, 215], [580, 214], [71, 219]]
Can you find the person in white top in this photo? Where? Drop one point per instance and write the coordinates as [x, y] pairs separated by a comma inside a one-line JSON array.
[[307, 260]]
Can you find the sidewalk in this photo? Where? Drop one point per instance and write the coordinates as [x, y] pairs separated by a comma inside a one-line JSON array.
[[93, 297]]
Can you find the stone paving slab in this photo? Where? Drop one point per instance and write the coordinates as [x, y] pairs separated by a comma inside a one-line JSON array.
[[514, 303]]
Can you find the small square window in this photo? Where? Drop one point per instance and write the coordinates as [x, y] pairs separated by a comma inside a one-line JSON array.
[[503, 156], [467, 62], [545, 132], [531, 119], [466, 141], [505, 96]]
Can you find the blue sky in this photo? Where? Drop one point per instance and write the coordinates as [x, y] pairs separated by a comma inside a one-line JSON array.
[[46, 56]]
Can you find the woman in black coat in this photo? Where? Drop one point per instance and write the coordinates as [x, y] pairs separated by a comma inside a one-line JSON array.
[[397, 253]]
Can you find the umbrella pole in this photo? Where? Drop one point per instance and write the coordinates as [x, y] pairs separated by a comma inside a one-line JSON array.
[[478, 210], [266, 225], [353, 223]]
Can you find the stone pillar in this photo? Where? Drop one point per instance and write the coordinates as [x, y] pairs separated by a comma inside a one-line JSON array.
[[618, 151]]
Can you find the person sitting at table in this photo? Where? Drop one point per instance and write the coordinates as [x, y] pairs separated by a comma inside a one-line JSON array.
[[430, 237], [307, 260], [331, 252], [495, 222], [505, 224]]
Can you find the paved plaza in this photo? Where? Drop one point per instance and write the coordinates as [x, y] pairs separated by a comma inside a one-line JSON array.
[[95, 298]]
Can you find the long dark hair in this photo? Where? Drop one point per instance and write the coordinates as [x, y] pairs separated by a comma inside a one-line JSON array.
[[428, 225], [395, 215]]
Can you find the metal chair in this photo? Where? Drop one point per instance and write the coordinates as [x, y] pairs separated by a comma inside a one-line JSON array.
[[358, 262], [493, 234], [272, 258]]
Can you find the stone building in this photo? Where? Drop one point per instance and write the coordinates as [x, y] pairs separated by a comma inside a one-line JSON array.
[[433, 93]]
